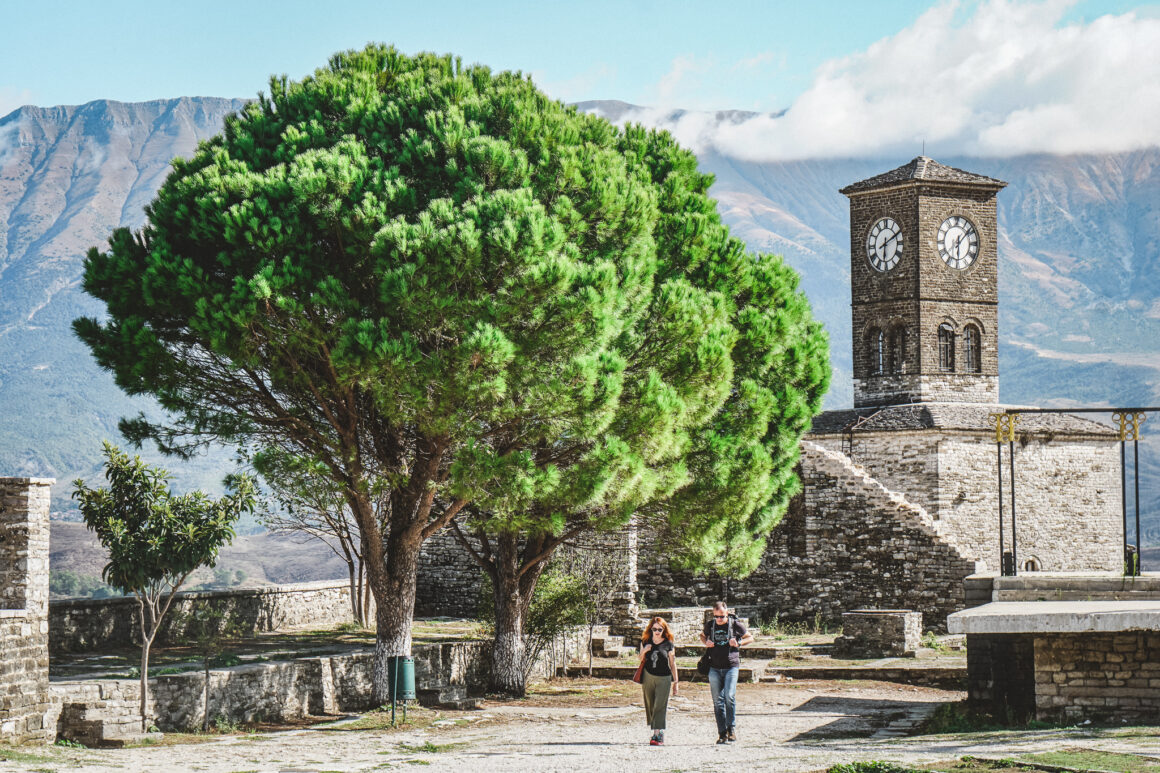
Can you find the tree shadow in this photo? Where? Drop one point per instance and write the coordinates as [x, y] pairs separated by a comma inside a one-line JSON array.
[[853, 717]]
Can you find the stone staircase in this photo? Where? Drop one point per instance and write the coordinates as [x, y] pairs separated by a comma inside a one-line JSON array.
[[617, 641], [605, 644], [103, 713]]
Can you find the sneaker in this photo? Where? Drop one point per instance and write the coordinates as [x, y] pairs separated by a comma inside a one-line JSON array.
[[656, 742], [721, 738], [731, 736]]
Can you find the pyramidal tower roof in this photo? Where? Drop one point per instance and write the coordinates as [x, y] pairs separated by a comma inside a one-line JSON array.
[[923, 169]]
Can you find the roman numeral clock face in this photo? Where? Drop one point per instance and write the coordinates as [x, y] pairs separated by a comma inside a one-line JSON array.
[[958, 242], [884, 244]]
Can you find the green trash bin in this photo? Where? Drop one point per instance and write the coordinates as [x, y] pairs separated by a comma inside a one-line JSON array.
[[401, 678], [400, 682]]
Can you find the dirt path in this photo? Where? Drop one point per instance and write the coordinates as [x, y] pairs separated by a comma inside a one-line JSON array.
[[799, 727]]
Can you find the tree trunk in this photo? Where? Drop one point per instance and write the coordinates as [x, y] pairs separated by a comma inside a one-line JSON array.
[[507, 655], [591, 632], [394, 594], [205, 716], [354, 599], [513, 596], [145, 683]]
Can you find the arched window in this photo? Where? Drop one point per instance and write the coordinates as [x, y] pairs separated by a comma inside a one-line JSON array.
[[973, 349], [897, 349], [946, 348], [877, 351]]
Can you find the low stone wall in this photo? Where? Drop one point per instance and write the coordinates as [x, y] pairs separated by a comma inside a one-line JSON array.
[[81, 625], [271, 692], [1066, 677]]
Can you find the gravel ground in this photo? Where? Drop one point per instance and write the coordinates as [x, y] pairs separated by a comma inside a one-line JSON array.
[[803, 726]]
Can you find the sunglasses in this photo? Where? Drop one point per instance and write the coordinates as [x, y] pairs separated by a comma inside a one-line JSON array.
[[658, 630], [720, 617]]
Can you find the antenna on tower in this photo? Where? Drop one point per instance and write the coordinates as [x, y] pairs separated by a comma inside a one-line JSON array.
[[924, 147]]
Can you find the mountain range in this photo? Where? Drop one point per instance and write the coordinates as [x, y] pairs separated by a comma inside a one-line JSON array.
[[1079, 268]]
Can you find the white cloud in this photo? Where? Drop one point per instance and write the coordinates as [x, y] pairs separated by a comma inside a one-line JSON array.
[[1004, 77], [578, 87], [11, 99]]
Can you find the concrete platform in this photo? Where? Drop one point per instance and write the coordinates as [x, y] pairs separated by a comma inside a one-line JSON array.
[[1016, 617]]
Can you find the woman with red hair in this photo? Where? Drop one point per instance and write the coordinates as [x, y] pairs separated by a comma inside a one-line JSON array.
[[659, 674]]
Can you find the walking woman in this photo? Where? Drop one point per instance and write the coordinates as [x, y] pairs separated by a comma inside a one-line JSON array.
[[659, 674]]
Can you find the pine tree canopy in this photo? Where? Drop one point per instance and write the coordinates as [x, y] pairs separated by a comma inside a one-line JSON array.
[[431, 275]]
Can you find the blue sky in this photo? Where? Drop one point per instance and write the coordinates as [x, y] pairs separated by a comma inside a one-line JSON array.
[[849, 63]]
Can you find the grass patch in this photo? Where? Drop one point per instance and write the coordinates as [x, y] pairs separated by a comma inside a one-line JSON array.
[[1092, 758], [15, 755], [872, 767], [430, 748], [418, 718]]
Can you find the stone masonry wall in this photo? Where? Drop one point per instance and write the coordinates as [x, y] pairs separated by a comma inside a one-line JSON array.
[[847, 542], [1067, 492], [278, 691], [1107, 677], [78, 625], [1067, 501], [449, 579], [24, 699]]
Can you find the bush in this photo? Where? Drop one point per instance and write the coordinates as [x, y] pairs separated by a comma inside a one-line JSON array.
[[872, 767]]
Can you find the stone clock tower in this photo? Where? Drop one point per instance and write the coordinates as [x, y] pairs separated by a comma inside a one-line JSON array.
[[924, 286]]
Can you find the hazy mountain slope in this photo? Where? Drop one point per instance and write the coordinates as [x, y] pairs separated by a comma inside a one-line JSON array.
[[1080, 314], [68, 176]]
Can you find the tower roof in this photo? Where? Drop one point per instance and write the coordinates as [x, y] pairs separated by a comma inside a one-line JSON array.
[[923, 169]]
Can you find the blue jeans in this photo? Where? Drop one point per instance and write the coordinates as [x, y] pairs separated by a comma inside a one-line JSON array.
[[723, 688]]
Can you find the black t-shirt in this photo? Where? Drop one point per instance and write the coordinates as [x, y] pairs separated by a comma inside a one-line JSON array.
[[656, 660], [721, 655]]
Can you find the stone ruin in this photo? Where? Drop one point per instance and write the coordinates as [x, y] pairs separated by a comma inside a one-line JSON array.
[[25, 706]]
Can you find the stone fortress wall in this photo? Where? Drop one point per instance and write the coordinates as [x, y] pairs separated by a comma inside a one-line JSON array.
[[24, 699], [1067, 479], [86, 625]]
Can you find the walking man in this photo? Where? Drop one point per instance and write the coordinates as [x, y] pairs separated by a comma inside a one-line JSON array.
[[724, 636]]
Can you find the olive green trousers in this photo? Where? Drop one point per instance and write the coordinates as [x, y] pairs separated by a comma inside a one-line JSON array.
[[656, 698]]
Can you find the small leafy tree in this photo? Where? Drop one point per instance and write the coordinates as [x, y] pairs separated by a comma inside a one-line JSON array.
[[599, 567], [156, 539]]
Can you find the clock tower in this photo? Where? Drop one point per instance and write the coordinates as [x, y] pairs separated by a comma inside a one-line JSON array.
[[924, 286]]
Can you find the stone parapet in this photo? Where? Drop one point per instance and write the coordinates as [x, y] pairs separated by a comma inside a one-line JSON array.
[[79, 625]]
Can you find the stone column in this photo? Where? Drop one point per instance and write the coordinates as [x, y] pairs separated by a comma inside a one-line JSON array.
[[625, 613], [24, 699]]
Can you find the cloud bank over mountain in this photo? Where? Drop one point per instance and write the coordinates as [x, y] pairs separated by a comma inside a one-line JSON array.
[[999, 78]]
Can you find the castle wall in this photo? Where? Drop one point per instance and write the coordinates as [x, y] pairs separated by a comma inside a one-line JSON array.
[[847, 542], [24, 699], [1067, 501], [1067, 491]]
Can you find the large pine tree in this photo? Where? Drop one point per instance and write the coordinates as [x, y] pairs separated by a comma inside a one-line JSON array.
[[434, 278]]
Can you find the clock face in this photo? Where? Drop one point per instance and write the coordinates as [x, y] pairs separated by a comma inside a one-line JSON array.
[[958, 242], [884, 244]]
